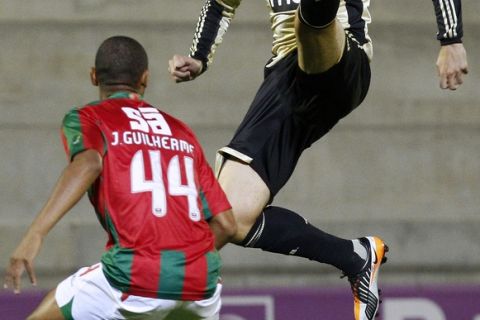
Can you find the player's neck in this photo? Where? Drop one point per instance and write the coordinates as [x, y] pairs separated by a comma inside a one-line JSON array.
[[106, 91]]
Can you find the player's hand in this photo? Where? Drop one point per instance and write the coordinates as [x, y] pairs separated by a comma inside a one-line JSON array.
[[452, 65], [184, 68], [21, 260]]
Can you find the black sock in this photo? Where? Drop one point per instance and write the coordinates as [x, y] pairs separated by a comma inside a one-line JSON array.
[[318, 14], [282, 231]]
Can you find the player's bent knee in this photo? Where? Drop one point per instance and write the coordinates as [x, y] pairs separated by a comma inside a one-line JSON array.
[[318, 14], [245, 222], [245, 217]]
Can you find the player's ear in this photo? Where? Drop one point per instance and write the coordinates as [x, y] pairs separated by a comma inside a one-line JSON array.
[[144, 79], [93, 76]]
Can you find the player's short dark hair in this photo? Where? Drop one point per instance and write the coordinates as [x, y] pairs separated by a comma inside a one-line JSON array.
[[120, 60]]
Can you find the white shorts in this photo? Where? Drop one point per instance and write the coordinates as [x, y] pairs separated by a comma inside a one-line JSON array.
[[87, 295]]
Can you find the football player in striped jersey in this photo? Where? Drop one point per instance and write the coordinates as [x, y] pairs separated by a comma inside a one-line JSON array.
[[154, 194]]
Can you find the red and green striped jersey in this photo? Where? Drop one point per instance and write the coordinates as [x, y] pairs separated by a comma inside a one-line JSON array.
[[154, 197]]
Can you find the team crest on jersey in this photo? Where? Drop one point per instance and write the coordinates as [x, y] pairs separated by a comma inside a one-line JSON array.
[[283, 5]]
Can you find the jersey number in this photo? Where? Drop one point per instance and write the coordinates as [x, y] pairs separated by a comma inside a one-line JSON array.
[[157, 187]]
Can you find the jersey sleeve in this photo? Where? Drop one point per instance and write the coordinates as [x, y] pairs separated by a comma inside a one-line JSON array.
[[213, 23], [449, 21], [214, 200], [80, 132]]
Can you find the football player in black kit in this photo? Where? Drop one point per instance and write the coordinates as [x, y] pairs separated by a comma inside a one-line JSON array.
[[319, 73]]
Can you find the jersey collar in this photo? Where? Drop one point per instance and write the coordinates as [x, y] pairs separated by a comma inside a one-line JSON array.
[[125, 95]]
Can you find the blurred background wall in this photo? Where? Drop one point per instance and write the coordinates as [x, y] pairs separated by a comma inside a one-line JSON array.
[[405, 165]]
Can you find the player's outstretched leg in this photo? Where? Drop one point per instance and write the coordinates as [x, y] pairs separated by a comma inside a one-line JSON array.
[[283, 231], [365, 283], [280, 230]]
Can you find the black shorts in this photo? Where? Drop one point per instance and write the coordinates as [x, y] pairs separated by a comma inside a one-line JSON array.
[[292, 110]]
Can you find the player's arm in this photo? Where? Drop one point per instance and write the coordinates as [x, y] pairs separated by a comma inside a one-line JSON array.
[[74, 181], [224, 227], [452, 58], [212, 24]]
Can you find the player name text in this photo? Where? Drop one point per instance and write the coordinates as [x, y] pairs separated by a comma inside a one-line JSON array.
[[161, 142]]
